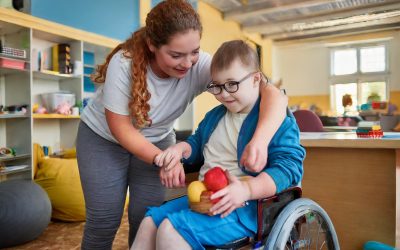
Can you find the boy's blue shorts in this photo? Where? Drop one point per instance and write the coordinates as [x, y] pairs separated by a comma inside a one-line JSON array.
[[199, 229]]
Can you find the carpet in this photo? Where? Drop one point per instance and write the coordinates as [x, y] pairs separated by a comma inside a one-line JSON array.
[[68, 236]]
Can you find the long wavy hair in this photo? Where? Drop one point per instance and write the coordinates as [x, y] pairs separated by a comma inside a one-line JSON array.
[[162, 22]]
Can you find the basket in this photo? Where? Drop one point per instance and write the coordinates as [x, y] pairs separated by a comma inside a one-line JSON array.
[[204, 205]]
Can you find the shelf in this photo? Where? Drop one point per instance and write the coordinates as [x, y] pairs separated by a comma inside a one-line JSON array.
[[11, 71], [53, 75], [12, 158], [54, 116], [15, 169], [13, 58], [13, 116]]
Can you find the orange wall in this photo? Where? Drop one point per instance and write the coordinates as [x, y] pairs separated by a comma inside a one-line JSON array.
[[321, 101], [395, 99]]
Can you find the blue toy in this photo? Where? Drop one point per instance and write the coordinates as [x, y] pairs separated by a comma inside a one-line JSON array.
[[374, 245]]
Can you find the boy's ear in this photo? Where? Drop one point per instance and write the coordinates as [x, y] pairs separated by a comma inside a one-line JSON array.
[[257, 78]]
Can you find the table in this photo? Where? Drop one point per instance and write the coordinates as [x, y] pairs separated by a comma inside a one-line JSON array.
[[357, 181]]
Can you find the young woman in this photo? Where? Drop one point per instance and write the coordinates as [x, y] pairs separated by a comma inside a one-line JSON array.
[[149, 80]]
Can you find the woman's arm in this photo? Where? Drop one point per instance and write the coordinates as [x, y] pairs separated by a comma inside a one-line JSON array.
[[272, 113], [130, 138]]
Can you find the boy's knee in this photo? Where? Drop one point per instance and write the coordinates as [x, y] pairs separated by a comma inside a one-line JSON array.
[[148, 219], [147, 222], [165, 227]]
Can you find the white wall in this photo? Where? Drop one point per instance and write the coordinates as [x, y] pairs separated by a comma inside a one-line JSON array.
[[304, 67], [394, 60]]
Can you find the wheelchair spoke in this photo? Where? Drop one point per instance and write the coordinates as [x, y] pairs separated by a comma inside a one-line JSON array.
[[309, 232]]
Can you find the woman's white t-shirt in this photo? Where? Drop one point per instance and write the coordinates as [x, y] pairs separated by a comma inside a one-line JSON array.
[[169, 96]]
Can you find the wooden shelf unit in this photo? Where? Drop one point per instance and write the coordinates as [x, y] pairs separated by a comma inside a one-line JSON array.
[[25, 86]]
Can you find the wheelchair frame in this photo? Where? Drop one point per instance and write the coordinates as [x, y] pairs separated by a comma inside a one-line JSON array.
[[277, 216]]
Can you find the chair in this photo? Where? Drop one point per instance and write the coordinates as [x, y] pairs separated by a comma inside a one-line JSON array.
[[308, 121], [287, 221]]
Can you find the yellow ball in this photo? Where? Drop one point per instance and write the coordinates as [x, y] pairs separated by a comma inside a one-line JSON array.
[[194, 190]]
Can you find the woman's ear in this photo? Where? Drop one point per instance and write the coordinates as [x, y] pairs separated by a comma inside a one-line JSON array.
[[151, 47]]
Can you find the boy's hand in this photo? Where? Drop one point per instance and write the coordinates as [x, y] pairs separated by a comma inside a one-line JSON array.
[[169, 158], [255, 156], [232, 196], [173, 178]]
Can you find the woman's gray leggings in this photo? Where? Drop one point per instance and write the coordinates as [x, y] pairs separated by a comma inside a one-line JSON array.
[[106, 170]]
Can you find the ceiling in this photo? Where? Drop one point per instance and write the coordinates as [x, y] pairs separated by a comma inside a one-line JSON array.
[[283, 20]]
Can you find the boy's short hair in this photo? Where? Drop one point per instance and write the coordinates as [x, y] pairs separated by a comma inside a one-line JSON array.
[[229, 51]]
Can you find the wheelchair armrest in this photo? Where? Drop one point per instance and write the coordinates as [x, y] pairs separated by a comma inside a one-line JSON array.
[[269, 208]]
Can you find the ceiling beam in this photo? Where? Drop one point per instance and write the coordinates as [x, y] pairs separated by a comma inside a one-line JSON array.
[[265, 8], [339, 29], [323, 16], [338, 34]]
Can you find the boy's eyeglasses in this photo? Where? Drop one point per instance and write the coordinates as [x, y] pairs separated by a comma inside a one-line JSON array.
[[230, 86]]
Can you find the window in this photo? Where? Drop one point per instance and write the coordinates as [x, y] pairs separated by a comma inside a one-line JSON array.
[[344, 61], [358, 73]]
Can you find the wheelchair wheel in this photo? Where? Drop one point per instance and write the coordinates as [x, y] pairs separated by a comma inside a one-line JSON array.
[[302, 224]]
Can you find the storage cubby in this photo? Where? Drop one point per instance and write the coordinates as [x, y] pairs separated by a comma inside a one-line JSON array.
[[51, 130], [15, 122], [93, 55], [28, 74]]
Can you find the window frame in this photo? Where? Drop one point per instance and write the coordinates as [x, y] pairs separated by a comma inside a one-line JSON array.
[[358, 77]]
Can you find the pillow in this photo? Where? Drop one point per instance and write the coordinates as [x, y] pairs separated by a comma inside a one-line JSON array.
[[60, 178], [38, 155]]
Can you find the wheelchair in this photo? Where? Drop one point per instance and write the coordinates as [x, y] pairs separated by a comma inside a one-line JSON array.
[[287, 221]]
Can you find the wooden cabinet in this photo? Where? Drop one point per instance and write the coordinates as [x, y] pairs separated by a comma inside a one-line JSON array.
[[23, 80]]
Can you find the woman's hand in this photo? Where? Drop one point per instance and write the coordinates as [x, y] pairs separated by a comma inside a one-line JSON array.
[[169, 158], [255, 155], [174, 177], [232, 196]]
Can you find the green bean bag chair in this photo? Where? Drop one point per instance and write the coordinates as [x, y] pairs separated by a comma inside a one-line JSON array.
[[25, 212]]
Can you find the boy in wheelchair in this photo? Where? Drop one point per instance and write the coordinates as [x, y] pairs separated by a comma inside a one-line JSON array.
[[220, 140]]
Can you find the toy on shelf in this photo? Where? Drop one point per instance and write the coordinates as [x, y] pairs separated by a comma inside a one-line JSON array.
[[64, 109], [368, 129], [13, 52], [37, 109], [7, 152]]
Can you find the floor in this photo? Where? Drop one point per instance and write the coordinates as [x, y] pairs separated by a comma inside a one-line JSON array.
[[67, 236]]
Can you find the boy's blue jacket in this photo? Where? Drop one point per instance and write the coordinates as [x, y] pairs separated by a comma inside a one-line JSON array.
[[285, 154]]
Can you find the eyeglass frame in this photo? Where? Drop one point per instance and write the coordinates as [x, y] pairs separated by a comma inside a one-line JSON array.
[[212, 84]]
